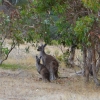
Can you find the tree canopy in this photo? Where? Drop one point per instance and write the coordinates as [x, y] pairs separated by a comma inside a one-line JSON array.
[[68, 22]]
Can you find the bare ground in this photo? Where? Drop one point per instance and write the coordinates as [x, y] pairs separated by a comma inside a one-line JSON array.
[[25, 84]]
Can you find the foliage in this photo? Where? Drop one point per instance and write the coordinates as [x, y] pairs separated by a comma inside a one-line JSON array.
[[92, 4], [68, 22], [65, 32], [49, 20], [82, 27]]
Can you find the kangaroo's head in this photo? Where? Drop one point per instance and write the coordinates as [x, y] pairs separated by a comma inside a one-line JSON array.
[[38, 59], [41, 48]]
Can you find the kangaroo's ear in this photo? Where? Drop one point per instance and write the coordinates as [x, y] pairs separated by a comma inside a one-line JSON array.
[[45, 45]]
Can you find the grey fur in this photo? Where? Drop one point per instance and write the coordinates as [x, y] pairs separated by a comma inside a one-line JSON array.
[[42, 70], [49, 62]]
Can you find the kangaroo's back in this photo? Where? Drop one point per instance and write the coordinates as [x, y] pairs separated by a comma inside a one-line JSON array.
[[49, 59]]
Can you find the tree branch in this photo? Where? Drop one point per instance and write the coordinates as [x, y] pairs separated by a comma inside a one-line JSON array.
[[12, 47]]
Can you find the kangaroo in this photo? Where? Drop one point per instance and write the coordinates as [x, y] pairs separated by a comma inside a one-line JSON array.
[[42, 70], [49, 62]]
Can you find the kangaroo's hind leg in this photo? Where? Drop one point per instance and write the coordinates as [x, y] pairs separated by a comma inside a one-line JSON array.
[[45, 75], [52, 74], [56, 72]]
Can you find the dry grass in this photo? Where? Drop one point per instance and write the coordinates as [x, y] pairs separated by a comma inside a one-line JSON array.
[[25, 85]]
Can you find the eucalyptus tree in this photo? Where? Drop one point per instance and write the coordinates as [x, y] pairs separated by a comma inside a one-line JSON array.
[[11, 26], [77, 25], [69, 22], [8, 13], [17, 21]]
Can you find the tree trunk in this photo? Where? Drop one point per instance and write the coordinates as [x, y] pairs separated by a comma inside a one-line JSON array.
[[72, 56], [0, 50], [89, 60], [88, 68], [84, 60], [94, 65], [98, 60], [98, 64]]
